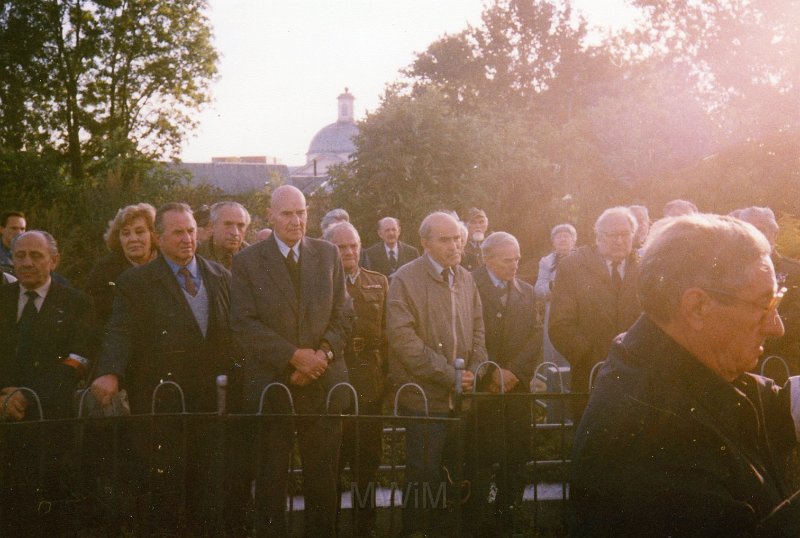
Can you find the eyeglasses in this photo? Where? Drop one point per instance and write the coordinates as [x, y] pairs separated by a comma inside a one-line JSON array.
[[768, 311]]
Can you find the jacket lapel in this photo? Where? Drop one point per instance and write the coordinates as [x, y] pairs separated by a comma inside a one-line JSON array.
[[308, 275], [169, 283]]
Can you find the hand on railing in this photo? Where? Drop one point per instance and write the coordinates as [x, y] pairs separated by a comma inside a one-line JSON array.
[[12, 404], [502, 381], [104, 388]]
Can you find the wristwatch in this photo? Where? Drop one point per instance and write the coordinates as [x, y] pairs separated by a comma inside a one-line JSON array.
[[328, 354]]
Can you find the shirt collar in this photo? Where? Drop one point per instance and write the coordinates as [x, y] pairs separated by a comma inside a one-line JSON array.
[[41, 291], [284, 248], [352, 278], [191, 266]]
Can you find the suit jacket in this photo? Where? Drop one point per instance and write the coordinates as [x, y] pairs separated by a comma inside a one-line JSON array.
[[64, 325], [102, 281], [513, 334], [153, 335], [586, 313], [375, 257], [270, 323]]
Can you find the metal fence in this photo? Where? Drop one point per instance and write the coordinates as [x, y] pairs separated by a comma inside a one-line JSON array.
[[176, 473]]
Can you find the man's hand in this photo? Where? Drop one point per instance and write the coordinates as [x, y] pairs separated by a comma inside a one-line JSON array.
[[467, 380], [309, 362], [12, 407], [104, 388], [299, 379], [509, 379]]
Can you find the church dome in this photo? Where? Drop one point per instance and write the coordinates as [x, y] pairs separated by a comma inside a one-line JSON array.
[[337, 138], [334, 138]]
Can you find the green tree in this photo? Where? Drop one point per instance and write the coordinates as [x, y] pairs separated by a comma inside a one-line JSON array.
[[104, 80]]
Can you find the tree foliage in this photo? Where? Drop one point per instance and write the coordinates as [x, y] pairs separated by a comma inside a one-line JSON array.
[[99, 81], [697, 100]]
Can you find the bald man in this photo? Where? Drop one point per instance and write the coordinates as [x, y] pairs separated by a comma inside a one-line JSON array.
[[291, 315]]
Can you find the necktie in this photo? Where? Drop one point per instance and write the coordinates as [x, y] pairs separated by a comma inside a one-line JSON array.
[[446, 273], [616, 278], [294, 271], [502, 291], [188, 281], [25, 325], [392, 260]]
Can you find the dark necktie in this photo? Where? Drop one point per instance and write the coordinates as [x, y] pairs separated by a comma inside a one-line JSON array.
[[446, 272], [502, 292], [392, 261], [294, 271], [188, 281], [616, 278], [25, 326]]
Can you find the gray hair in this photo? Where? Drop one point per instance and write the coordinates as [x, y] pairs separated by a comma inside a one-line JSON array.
[[696, 251], [166, 208], [762, 218], [426, 225], [219, 206], [496, 240], [617, 210], [676, 208], [52, 245], [565, 227], [331, 231], [333, 216], [388, 219]]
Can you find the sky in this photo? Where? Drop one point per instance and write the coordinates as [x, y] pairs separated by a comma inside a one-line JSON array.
[[284, 62]]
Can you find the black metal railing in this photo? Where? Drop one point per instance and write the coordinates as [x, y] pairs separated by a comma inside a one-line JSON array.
[[139, 474]]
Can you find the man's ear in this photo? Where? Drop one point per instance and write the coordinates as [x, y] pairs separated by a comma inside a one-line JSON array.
[[269, 216], [694, 307]]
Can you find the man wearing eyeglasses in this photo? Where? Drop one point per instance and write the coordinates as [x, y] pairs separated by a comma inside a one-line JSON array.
[[594, 298], [678, 438]]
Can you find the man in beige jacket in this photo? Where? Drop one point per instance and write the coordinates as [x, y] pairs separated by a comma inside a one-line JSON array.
[[433, 316]]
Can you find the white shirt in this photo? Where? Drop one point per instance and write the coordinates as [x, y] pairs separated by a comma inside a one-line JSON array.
[[41, 291], [620, 268], [284, 248]]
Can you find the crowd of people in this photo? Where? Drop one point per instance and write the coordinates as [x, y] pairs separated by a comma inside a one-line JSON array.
[[310, 314]]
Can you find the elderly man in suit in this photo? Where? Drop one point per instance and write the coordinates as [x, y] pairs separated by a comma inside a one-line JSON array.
[[291, 315], [594, 298], [514, 342], [390, 253], [170, 322], [46, 332]]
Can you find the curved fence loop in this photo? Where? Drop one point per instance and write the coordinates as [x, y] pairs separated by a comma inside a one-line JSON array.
[[336, 386], [557, 370], [264, 392], [159, 387], [24, 389], [770, 358], [593, 373], [411, 385], [499, 369], [80, 402]]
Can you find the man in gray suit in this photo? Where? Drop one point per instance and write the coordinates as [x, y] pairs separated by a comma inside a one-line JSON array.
[[291, 315]]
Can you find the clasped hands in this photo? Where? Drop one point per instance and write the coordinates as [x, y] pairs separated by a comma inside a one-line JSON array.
[[308, 364]]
